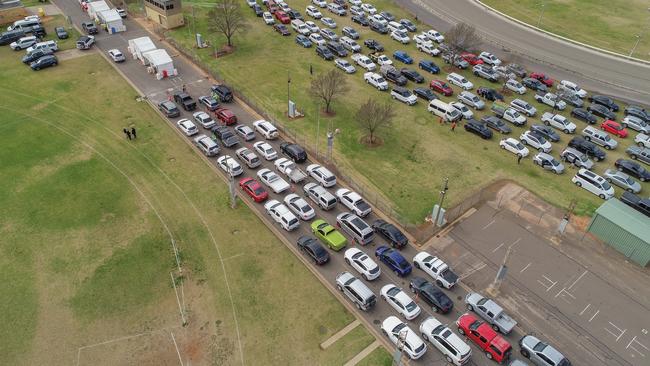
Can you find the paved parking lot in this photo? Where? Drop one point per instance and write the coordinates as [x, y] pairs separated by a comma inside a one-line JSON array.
[[550, 299]]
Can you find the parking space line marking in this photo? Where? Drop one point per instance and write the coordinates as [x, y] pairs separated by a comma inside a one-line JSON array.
[[515, 242], [498, 247], [622, 331], [525, 268], [577, 279], [471, 271], [629, 345], [563, 292], [585, 309], [550, 281], [593, 316], [488, 225]]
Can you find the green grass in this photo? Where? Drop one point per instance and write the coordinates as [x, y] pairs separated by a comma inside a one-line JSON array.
[[608, 24], [28, 3], [85, 257], [417, 152], [378, 357]]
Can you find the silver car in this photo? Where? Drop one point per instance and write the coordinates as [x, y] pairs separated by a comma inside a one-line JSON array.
[[471, 100], [548, 162], [577, 158], [636, 123], [622, 180], [540, 353]]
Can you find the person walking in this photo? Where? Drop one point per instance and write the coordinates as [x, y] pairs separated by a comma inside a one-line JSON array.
[[133, 133], [440, 120], [127, 133], [519, 157], [453, 126], [184, 88]]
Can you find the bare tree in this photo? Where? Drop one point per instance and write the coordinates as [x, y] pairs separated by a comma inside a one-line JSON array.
[[461, 37], [328, 86], [373, 116], [226, 18]]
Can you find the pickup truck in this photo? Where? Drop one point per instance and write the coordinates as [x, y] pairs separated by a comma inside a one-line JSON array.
[[490, 311], [558, 121], [489, 341], [392, 74], [509, 114], [185, 100], [437, 269], [290, 169], [380, 59], [85, 42], [550, 100], [375, 80], [640, 204]]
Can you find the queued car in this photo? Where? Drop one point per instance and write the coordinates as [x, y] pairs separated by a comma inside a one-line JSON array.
[[229, 165], [548, 162], [633, 168], [354, 202], [394, 260], [400, 301], [391, 233], [89, 27], [245, 132], [187, 127], [248, 157], [614, 128], [272, 180], [169, 109], [300, 207], [495, 347], [254, 189], [431, 294], [362, 263], [395, 329], [227, 137], [226, 116], [204, 119], [455, 350], [281, 214], [541, 353], [209, 102], [327, 234], [313, 249], [266, 150]]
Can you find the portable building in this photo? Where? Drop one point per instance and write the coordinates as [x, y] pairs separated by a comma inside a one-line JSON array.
[[160, 63], [139, 46], [111, 20], [96, 7]]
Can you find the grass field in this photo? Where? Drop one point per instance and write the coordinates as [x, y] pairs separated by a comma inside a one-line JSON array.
[[87, 219], [608, 24], [417, 152]]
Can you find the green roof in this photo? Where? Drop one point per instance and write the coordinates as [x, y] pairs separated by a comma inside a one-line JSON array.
[[626, 217]]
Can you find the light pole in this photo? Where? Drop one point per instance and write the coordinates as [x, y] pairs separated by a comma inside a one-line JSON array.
[[443, 192], [317, 127], [539, 21], [638, 38], [288, 93], [231, 186], [330, 142]]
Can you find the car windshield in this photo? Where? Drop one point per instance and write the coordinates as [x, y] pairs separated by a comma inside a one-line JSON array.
[[606, 186], [539, 347], [554, 162], [330, 178], [305, 208], [393, 291], [411, 306], [606, 138], [380, 80], [258, 190], [403, 264], [629, 181], [519, 146]]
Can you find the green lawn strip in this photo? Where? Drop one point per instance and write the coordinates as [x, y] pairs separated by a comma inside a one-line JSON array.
[[348, 346], [54, 21], [378, 357], [28, 3], [417, 152]]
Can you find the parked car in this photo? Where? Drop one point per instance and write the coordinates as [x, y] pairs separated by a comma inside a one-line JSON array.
[[593, 183], [523, 107], [393, 75], [540, 353], [640, 204], [395, 329], [24, 43], [254, 189], [514, 146], [605, 101], [471, 58], [408, 25], [33, 56], [345, 65], [496, 124], [601, 111], [455, 350], [89, 27], [546, 131], [637, 111], [61, 33], [373, 45], [633, 168], [403, 95], [328, 22], [577, 158], [394, 260], [441, 87], [391, 233], [485, 72], [642, 140], [378, 27], [429, 66], [489, 94], [639, 153], [459, 62], [268, 18], [282, 29], [495, 347], [587, 147], [85, 42], [599, 137], [636, 123], [542, 77], [559, 121], [623, 180], [572, 88], [572, 99], [44, 62], [427, 94], [489, 58], [400, 301], [478, 128], [361, 19], [460, 81], [534, 84], [471, 100], [303, 41], [402, 56], [584, 115], [490, 311], [535, 140], [517, 69], [548, 162], [614, 128], [369, 8]]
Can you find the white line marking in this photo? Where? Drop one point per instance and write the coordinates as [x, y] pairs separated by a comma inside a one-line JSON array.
[[592, 318], [585, 309], [550, 281], [621, 331], [629, 345], [577, 279], [488, 225], [233, 256], [498, 247], [516, 242], [525, 268], [178, 352], [564, 292]]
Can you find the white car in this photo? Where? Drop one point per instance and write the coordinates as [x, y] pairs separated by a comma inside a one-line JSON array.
[[437, 269], [319, 3], [395, 329], [572, 87], [376, 80], [336, 9], [429, 49], [435, 36], [204, 119], [317, 39], [345, 65], [516, 86], [355, 2], [266, 150], [268, 18], [422, 38], [251, 3], [642, 140], [116, 55], [403, 95], [362, 263], [593, 183], [489, 58], [313, 12], [272, 180], [460, 81], [284, 6], [299, 207], [354, 202], [455, 350], [329, 22], [364, 62], [188, 128], [245, 132], [635, 123], [281, 214], [514, 146], [400, 37], [322, 175], [369, 8], [229, 165], [462, 108], [248, 157], [400, 301], [266, 128], [376, 18], [536, 141], [23, 43], [290, 169], [312, 27], [384, 60]]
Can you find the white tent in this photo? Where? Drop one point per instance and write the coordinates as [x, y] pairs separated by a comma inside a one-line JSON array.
[[139, 46], [160, 63], [95, 7], [111, 20]]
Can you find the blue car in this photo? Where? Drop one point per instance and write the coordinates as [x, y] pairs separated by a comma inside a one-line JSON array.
[[303, 41], [393, 259], [403, 56], [429, 66]]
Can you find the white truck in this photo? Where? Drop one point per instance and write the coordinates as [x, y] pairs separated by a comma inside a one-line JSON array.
[[437, 269], [290, 169], [490, 311], [376, 80], [509, 114], [642, 140], [558, 121], [550, 100], [364, 61]]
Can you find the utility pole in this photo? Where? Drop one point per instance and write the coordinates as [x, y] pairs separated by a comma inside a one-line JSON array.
[[443, 192], [494, 287], [231, 187], [288, 92], [317, 127]]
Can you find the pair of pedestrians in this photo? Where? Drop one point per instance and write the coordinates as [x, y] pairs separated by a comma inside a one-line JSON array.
[[131, 135]]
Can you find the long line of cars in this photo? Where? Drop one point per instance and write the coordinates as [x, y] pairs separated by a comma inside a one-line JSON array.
[[380, 69]]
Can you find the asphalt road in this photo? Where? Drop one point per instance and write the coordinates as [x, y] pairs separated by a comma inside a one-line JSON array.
[[594, 71]]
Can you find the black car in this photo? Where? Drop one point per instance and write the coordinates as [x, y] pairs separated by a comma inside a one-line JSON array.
[[396, 77], [361, 20], [408, 25], [572, 99], [425, 93], [169, 109], [373, 45], [587, 147], [412, 75], [294, 14], [89, 27], [324, 52], [11, 36], [337, 48], [379, 28], [584, 115], [282, 29], [640, 204], [478, 128], [534, 84], [637, 111], [221, 93], [39, 31], [388, 16], [313, 248], [390, 232], [496, 124], [61, 33], [43, 62], [184, 100], [226, 136], [601, 111], [258, 10], [489, 94], [432, 295], [632, 168], [516, 69], [295, 152], [604, 101], [36, 54], [546, 131]]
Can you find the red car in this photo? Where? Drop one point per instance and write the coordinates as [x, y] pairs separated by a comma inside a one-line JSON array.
[[226, 116], [495, 347], [282, 17], [614, 128], [254, 189], [471, 58], [543, 78], [441, 87]]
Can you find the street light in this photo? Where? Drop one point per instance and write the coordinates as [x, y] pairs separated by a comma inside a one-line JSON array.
[[638, 38], [330, 142], [443, 192]]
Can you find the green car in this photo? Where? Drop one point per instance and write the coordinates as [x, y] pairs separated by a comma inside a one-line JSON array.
[[328, 235]]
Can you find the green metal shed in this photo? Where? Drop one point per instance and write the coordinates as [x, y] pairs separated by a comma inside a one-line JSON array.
[[624, 228]]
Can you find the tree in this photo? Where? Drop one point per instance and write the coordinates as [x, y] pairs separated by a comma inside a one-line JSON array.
[[226, 18], [460, 38], [373, 116], [329, 86]]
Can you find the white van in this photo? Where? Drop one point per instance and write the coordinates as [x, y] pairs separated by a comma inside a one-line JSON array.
[[25, 25], [460, 81], [444, 110], [594, 183], [49, 45], [395, 26], [300, 27]]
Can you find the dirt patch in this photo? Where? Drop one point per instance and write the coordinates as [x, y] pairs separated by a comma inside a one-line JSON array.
[[366, 141], [73, 53]]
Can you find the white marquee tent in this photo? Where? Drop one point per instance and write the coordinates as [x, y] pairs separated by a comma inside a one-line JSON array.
[[139, 46], [96, 7], [111, 20], [160, 64]]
